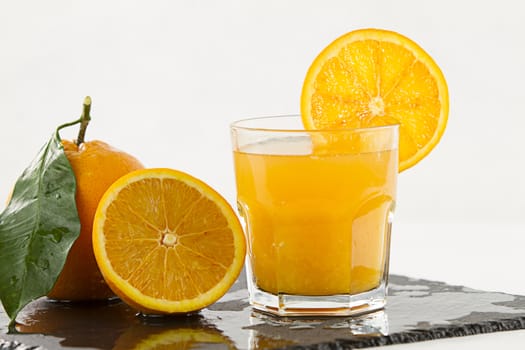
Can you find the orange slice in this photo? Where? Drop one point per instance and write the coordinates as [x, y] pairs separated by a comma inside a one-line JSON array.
[[166, 242], [373, 77]]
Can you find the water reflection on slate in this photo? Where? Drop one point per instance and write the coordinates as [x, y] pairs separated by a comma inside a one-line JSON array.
[[417, 310]]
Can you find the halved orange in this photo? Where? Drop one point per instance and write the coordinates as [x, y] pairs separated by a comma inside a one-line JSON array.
[[373, 77], [172, 338], [166, 242]]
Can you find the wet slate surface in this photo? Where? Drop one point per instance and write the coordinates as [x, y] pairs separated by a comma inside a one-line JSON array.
[[417, 310]]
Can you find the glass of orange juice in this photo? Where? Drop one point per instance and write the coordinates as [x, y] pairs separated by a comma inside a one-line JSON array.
[[317, 207]]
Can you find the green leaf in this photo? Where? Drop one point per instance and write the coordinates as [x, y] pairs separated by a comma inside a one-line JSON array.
[[38, 228]]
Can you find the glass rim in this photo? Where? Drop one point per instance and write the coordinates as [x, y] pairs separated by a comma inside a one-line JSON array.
[[236, 125]]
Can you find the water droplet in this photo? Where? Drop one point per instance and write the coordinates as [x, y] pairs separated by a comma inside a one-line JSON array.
[[57, 237], [13, 280], [43, 264]]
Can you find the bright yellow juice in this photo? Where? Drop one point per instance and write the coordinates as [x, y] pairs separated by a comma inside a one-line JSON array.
[[318, 224]]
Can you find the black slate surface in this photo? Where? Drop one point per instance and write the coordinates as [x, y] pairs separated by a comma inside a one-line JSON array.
[[417, 310]]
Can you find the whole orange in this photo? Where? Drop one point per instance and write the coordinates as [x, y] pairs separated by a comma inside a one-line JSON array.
[[96, 166]]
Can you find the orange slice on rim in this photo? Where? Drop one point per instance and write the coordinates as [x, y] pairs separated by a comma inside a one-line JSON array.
[[166, 242], [373, 77]]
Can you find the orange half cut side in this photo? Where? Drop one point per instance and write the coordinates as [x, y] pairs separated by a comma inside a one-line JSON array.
[[167, 242]]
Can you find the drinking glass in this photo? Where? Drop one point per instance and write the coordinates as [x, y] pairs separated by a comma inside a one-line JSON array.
[[317, 207]]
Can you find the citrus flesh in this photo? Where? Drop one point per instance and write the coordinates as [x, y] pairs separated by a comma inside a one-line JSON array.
[[96, 166], [166, 242], [374, 77]]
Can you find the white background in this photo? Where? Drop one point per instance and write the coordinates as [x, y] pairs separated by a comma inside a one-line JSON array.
[[167, 78]]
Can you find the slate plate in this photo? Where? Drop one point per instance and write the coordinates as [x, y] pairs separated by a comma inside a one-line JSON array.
[[417, 310]]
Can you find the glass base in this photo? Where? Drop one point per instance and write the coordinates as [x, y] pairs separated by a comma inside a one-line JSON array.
[[326, 305]]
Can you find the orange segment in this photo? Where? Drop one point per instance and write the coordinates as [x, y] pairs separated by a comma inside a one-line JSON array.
[[373, 77], [166, 242]]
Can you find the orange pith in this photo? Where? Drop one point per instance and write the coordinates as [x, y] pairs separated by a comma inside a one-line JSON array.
[[373, 77], [167, 242]]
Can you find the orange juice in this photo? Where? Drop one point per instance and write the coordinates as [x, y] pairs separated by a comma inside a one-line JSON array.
[[318, 224]]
